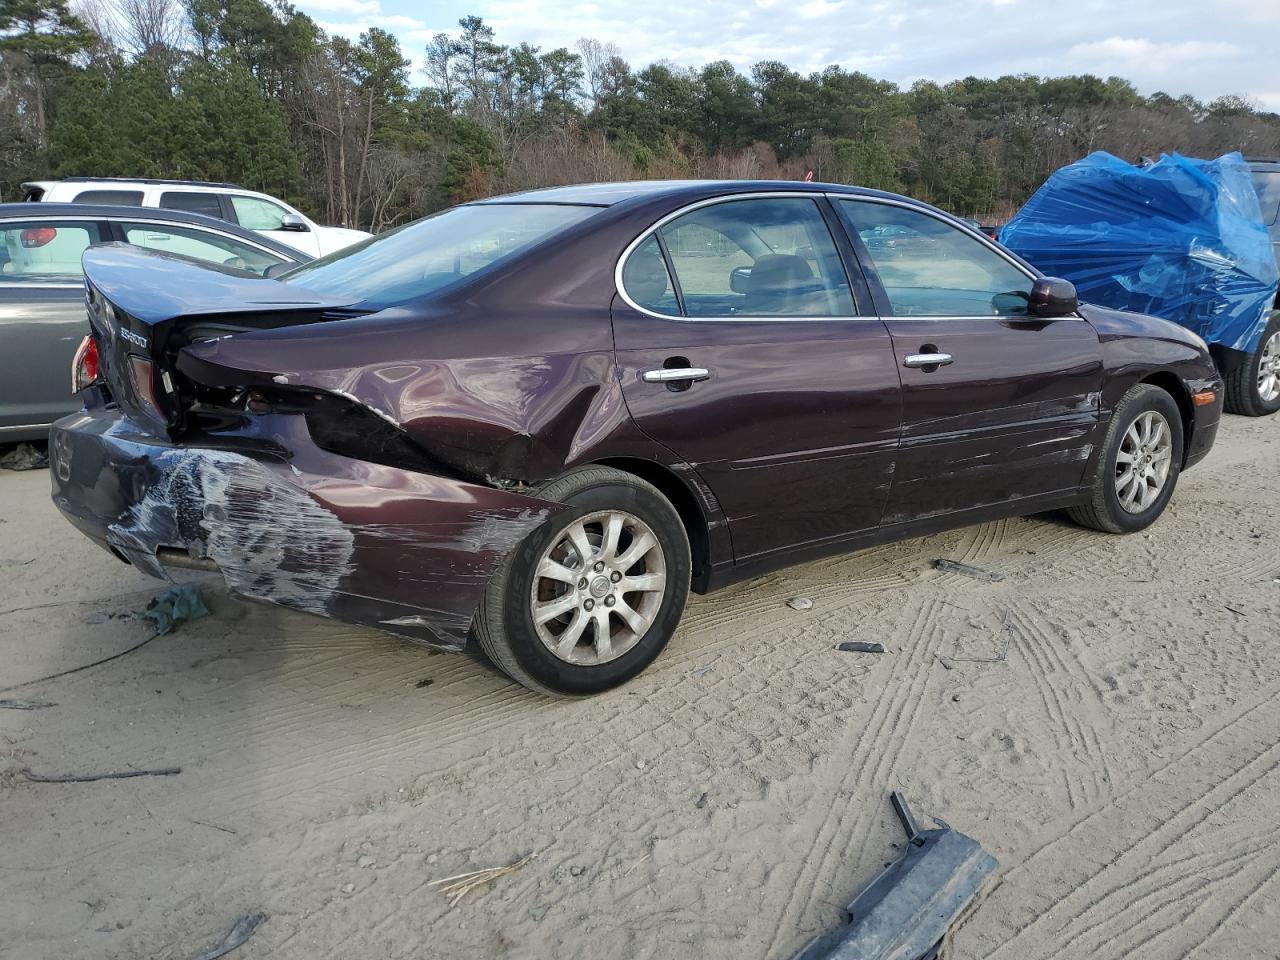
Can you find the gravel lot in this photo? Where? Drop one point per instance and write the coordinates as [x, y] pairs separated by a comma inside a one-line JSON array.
[[1122, 761]]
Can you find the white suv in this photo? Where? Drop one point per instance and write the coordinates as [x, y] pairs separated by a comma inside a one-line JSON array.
[[226, 201]]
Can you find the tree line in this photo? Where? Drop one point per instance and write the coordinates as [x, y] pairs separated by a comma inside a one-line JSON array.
[[254, 92]]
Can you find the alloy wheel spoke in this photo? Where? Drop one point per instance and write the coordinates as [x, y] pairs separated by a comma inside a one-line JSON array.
[[577, 535], [631, 617], [641, 545], [572, 634], [552, 570], [604, 642], [554, 608], [612, 531], [642, 583]]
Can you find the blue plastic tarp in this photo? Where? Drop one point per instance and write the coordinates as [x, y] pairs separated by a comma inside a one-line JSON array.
[[1181, 239]]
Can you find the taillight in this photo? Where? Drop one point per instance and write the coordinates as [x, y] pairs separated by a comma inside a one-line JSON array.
[[84, 366], [37, 236], [142, 373]]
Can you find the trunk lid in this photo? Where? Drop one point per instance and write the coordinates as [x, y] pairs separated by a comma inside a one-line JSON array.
[[144, 306]]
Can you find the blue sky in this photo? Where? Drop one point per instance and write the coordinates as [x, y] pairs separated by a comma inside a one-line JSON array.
[[1206, 48]]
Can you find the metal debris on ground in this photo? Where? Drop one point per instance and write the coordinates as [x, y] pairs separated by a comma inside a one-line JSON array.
[[906, 912], [244, 928], [459, 885], [1236, 610], [93, 777], [800, 603], [175, 606], [859, 646], [24, 456], [25, 704], [955, 566]]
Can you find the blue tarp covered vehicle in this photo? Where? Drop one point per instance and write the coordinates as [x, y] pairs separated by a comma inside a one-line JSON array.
[[1181, 239]]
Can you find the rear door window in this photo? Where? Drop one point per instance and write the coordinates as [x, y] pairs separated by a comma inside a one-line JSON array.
[[192, 201], [120, 198], [770, 257], [201, 245], [44, 250]]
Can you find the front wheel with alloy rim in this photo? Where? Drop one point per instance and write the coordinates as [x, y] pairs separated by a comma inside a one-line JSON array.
[[1253, 386], [592, 596], [1137, 467]]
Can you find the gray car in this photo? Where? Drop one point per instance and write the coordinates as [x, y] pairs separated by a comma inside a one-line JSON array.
[[42, 308]]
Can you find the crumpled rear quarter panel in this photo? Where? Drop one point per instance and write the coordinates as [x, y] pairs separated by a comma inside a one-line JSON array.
[[404, 552]]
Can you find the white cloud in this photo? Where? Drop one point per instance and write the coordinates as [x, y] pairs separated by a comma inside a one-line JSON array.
[[1190, 46], [1127, 54]]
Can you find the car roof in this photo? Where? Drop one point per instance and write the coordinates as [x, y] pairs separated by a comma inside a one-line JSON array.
[[608, 194], [91, 211], [119, 181]]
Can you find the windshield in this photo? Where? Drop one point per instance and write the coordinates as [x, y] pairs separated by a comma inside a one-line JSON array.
[[432, 253]]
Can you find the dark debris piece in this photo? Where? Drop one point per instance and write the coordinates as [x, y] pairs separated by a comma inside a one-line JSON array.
[[244, 928], [860, 646], [955, 566], [25, 704]]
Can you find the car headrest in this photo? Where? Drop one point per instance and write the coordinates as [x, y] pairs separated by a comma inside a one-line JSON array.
[[777, 279]]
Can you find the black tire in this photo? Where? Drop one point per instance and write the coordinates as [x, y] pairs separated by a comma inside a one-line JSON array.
[[1242, 394], [504, 623], [1103, 511]]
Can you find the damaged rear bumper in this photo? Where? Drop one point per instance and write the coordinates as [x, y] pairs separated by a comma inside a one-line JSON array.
[[286, 522]]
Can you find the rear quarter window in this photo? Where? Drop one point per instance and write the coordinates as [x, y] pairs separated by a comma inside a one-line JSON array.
[[120, 198]]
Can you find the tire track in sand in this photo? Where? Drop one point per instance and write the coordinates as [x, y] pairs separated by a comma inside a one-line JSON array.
[[1080, 886]]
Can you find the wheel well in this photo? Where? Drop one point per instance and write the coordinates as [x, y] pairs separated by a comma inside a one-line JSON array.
[[1170, 384], [682, 498]]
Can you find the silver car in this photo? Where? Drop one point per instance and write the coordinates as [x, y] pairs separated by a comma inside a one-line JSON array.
[[42, 309]]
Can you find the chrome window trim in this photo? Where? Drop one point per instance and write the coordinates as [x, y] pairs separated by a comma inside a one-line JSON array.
[[708, 202]]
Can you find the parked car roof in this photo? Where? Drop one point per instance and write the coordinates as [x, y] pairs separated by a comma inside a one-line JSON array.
[[89, 211], [147, 180], [608, 194]]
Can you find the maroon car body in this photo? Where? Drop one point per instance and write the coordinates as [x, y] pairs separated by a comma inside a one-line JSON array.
[[375, 464]]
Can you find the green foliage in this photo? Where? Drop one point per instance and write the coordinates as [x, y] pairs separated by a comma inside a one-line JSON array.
[[261, 96]]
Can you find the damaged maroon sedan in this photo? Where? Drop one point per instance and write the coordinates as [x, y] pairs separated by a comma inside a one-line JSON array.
[[539, 420]]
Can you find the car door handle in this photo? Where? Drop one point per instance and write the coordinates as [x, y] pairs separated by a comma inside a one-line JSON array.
[[927, 359], [675, 374]]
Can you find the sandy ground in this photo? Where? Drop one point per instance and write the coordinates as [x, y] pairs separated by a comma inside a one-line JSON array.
[[1122, 762]]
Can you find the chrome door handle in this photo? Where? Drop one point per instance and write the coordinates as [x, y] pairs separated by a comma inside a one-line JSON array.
[[926, 359], [675, 374]]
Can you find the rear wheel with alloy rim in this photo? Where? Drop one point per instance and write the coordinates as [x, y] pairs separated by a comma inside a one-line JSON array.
[[1137, 467], [592, 596], [1253, 386]]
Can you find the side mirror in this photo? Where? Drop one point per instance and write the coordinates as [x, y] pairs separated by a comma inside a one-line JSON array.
[[293, 223], [276, 269], [1052, 297], [740, 279]]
